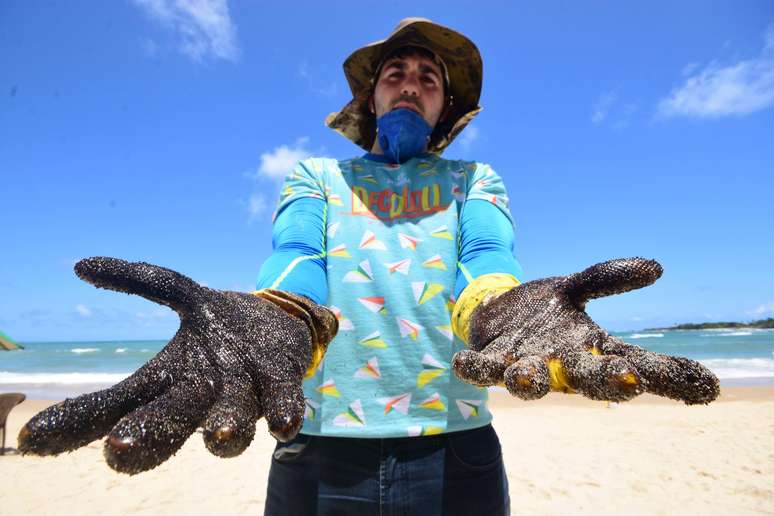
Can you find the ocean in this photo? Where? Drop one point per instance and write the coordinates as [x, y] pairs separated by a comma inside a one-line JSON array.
[[56, 370]]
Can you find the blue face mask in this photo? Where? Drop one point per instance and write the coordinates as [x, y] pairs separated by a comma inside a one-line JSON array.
[[402, 134]]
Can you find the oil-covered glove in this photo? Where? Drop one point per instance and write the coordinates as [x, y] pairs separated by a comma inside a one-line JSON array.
[[537, 337], [235, 358]]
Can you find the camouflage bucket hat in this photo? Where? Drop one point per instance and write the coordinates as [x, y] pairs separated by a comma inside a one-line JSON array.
[[463, 67]]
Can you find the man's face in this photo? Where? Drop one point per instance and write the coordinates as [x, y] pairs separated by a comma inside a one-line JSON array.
[[413, 82]]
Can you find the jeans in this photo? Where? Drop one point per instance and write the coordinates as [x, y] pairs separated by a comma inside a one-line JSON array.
[[459, 473]]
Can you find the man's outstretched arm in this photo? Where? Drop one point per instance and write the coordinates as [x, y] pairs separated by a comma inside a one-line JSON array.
[[486, 264], [236, 357], [298, 261], [537, 337]]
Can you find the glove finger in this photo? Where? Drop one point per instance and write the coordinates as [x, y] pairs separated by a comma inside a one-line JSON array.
[[528, 378], [610, 378], [152, 282], [612, 277], [230, 426], [674, 377], [154, 432], [283, 405], [76, 422], [478, 368]]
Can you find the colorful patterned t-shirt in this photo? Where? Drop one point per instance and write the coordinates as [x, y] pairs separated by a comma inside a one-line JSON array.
[[392, 249]]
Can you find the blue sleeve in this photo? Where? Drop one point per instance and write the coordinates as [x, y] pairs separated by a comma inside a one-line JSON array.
[[485, 245], [298, 263]]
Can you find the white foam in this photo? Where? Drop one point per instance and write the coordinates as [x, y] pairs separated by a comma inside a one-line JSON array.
[[61, 378], [121, 350], [84, 350], [645, 336], [719, 333], [727, 368]]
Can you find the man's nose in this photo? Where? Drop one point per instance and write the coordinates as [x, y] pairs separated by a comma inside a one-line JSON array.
[[410, 85]]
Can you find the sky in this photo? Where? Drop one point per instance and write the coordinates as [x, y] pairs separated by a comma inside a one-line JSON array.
[[159, 131]]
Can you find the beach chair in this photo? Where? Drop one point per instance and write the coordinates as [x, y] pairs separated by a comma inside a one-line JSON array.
[[7, 402]]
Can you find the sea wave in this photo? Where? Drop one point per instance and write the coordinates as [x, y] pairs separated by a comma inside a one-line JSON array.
[[727, 334], [84, 350], [727, 368], [121, 350], [7, 377], [645, 335]]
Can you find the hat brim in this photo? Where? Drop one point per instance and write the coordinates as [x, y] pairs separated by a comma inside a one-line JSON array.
[[463, 64]]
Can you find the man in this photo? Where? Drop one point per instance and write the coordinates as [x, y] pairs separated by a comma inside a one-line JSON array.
[[412, 254], [379, 239]]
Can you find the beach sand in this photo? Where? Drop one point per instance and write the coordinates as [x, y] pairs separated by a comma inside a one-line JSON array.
[[563, 454]]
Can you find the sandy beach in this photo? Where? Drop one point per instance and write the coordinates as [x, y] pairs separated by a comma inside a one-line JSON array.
[[563, 454]]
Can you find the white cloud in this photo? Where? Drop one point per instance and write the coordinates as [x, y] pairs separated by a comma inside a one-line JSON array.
[[327, 91], [279, 162], [767, 308], [317, 81], [715, 91], [150, 47], [689, 68], [469, 135], [303, 69], [275, 165], [204, 27], [257, 205], [602, 107], [83, 310], [612, 111]]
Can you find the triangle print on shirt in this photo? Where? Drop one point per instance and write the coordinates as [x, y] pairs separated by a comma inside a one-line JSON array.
[[391, 254]]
